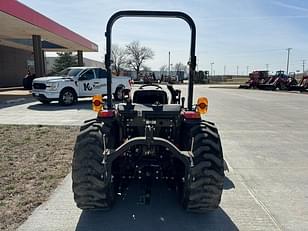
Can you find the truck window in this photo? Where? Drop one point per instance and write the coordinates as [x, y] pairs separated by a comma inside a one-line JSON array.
[[88, 75], [100, 73]]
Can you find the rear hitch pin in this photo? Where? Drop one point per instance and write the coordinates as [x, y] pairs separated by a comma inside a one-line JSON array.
[[191, 161], [105, 150], [192, 144], [104, 141]]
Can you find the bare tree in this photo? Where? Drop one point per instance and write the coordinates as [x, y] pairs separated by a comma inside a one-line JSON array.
[[146, 68], [119, 58], [163, 68], [137, 54], [180, 67]]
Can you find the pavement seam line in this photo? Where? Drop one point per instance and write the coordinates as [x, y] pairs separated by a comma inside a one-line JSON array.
[[262, 205]]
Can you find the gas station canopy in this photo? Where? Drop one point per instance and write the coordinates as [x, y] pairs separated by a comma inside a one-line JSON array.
[[19, 23]]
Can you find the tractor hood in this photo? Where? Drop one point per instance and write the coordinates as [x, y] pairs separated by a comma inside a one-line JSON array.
[[53, 79]]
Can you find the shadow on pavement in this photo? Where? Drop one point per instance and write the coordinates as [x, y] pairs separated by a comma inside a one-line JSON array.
[[55, 106], [228, 184], [15, 102], [12, 100], [162, 213]]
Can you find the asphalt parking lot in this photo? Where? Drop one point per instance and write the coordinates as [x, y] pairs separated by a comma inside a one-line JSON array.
[[264, 137]]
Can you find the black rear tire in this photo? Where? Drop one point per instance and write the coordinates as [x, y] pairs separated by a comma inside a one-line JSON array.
[[202, 192], [92, 186]]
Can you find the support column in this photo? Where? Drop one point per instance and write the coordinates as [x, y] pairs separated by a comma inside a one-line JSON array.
[[43, 63], [37, 53], [80, 58]]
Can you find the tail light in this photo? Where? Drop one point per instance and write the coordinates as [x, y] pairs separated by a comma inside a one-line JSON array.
[[191, 115], [106, 113]]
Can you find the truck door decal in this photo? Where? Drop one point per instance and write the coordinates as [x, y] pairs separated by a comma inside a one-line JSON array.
[[87, 87]]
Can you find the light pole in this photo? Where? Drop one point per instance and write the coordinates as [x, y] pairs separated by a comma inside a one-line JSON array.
[[267, 66], [212, 68], [169, 65], [247, 69], [304, 61], [225, 68], [288, 59], [237, 67]]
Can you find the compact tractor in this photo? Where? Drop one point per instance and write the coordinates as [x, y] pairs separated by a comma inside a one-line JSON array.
[[255, 79], [280, 81], [301, 86], [148, 138]]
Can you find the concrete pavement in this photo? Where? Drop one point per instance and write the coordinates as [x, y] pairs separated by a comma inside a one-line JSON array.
[[264, 137], [50, 114]]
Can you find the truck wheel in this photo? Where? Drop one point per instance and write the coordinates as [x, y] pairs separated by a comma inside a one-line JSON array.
[[91, 187], [202, 193], [67, 97], [118, 95]]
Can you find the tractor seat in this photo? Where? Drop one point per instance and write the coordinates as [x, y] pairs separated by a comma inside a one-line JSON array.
[[150, 96]]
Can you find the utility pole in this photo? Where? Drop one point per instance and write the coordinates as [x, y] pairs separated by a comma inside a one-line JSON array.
[[212, 68], [197, 67], [288, 60], [169, 65], [304, 61]]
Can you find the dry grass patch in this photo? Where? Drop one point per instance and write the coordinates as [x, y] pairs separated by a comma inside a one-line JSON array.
[[33, 160]]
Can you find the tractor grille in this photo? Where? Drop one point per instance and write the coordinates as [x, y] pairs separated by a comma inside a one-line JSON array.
[[39, 86]]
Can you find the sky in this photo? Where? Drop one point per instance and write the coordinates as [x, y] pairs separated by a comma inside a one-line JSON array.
[[238, 34]]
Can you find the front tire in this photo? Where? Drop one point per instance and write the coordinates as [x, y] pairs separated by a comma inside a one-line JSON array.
[[67, 97], [204, 188], [91, 185]]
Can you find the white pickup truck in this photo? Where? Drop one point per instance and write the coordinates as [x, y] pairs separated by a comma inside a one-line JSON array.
[[75, 82]]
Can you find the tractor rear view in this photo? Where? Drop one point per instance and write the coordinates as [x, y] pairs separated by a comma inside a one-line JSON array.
[[255, 79], [151, 137]]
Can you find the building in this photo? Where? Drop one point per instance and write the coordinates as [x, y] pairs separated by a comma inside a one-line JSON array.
[[26, 35]]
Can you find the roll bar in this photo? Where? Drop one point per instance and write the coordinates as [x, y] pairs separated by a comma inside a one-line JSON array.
[[159, 14]]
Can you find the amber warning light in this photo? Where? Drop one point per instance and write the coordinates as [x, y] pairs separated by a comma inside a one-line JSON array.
[[202, 105], [97, 103]]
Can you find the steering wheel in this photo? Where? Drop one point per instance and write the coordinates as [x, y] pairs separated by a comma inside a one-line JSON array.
[[150, 85]]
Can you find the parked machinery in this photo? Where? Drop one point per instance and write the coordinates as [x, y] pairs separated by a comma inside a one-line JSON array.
[[149, 139], [301, 86], [279, 81], [255, 79], [202, 77]]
